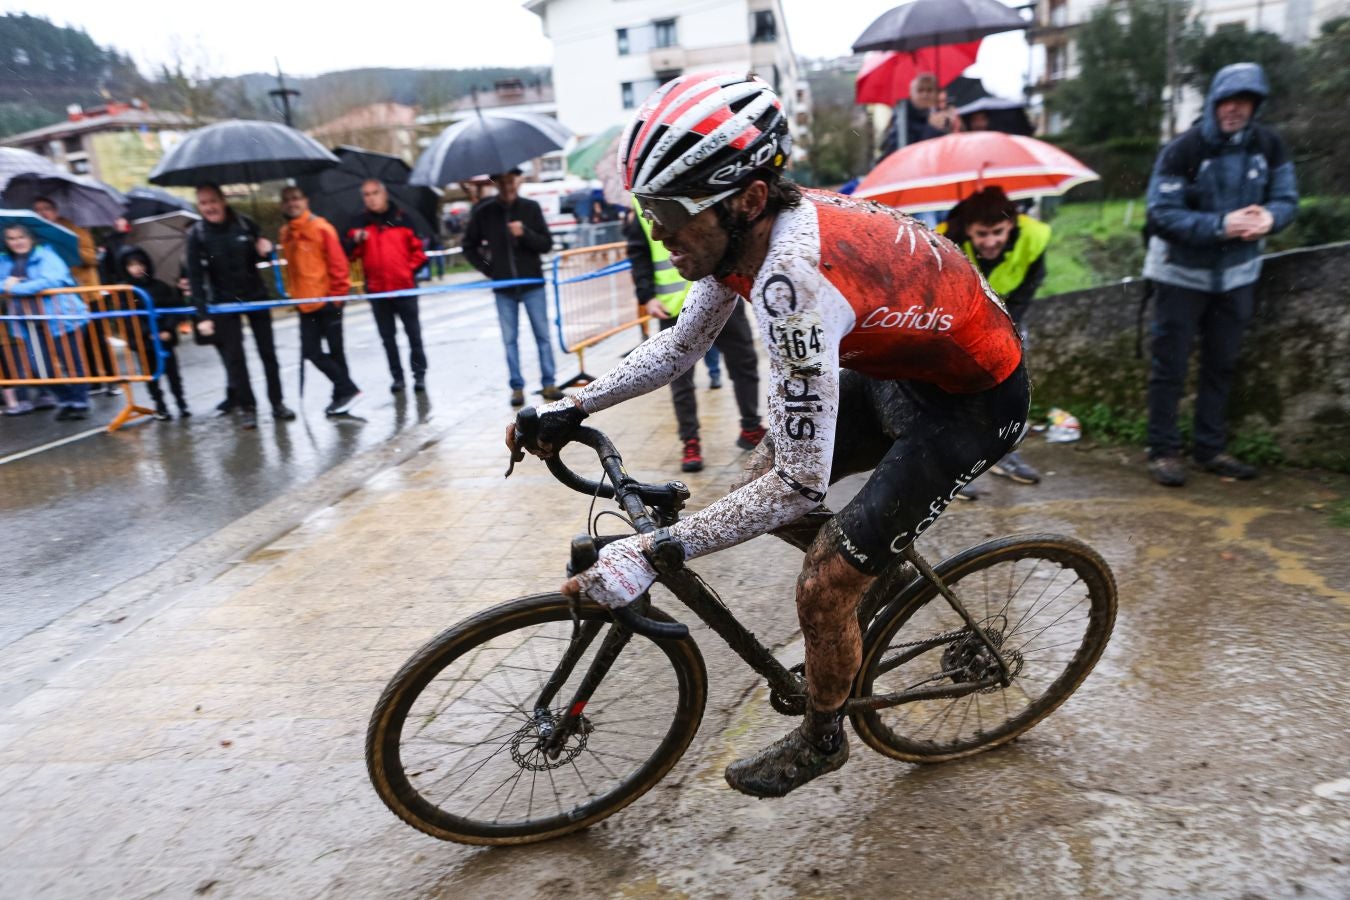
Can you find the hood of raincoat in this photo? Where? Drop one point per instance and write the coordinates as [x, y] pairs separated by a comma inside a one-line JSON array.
[[1239, 78]]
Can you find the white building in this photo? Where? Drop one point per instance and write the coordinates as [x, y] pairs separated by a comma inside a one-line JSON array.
[[1055, 57], [608, 55]]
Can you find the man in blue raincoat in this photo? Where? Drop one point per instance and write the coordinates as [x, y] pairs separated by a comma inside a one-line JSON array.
[[1217, 191]]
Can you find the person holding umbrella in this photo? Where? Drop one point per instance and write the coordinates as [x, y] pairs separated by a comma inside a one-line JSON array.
[[86, 273], [390, 251], [1009, 249], [223, 252], [317, 267], [504, 240]]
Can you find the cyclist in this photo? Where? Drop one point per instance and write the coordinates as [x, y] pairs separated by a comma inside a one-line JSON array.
[[888, 352]]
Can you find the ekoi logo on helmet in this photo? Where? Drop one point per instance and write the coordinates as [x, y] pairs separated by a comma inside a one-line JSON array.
[[734, 172]]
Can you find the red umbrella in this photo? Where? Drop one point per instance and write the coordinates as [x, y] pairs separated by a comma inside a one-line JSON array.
[[939, 173], [885, 76]]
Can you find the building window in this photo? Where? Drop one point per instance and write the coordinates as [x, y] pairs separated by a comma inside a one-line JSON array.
[[633, 91], [763, 28], [665, 33], [622, 36]]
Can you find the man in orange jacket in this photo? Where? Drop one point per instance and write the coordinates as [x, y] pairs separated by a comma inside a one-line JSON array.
[[317, 267]]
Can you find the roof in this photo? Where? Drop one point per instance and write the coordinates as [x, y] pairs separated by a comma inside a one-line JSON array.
[[129, 118]]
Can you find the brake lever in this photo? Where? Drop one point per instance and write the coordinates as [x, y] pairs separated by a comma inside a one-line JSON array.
[[516, 455]]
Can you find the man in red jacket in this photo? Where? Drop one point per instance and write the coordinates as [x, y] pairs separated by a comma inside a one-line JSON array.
[[390, 253]]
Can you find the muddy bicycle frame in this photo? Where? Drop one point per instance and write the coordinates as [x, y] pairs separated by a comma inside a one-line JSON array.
[[639, 501]]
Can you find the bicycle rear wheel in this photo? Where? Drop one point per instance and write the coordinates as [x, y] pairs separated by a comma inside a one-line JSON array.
[[1048, 602], [453, 746]]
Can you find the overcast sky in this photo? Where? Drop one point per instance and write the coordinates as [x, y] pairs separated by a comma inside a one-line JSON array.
[[247, 35]]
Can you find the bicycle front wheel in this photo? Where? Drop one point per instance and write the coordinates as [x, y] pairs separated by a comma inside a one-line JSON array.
[[1047, 602], [454, 745]]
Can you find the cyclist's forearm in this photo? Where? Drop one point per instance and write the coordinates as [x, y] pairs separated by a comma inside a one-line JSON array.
[[654, 364], [759, 507]]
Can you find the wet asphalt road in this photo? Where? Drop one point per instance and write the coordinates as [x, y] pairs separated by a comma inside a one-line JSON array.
[[104, 508]]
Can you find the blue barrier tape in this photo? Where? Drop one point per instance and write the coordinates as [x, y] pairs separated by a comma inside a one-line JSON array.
[[604, 272]]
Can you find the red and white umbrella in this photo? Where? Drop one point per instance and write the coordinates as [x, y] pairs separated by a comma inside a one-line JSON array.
[[885, 76], [939, 173]]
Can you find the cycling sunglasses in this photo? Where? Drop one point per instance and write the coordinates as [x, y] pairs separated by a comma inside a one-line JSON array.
[[673, 213]]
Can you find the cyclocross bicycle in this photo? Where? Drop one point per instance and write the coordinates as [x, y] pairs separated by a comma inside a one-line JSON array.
[[544, 715]]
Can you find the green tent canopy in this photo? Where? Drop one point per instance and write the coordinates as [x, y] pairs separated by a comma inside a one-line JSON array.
[[590, 153]]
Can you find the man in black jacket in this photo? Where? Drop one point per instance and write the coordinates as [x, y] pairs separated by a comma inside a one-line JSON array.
[[504, 239], [223, 252]]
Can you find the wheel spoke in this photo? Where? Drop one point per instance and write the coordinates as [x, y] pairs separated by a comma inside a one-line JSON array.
[[1044, 624], [471, 744]]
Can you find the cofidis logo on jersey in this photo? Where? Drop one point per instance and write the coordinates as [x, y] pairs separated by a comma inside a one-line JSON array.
[[915, 318]]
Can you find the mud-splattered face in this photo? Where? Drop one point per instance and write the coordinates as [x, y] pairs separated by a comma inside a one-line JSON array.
[[697, 247]]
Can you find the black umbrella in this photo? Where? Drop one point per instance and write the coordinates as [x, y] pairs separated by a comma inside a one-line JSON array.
[[15, 162], [335, 193], [83, 200], [238, 151], [928, 23], [487, 143], [144, 202], [1008, 116]]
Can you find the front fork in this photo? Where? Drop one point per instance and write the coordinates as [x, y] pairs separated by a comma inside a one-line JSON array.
[[554, 732]]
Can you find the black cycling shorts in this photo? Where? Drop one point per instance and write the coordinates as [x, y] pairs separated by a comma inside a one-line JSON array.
[[922, 444]]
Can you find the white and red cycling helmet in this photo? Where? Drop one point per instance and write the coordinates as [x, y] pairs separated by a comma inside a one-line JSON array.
[[701, 136]]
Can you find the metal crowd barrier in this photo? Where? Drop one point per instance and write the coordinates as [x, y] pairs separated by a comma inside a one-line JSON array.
[[594, 300], [116, 342]]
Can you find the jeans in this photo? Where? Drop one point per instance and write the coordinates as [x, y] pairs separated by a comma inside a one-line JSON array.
[[405, 309], [64, 361], [737, 345], [230, 344], [316, 328], [1220, 320], [535, 301], [713, 360]]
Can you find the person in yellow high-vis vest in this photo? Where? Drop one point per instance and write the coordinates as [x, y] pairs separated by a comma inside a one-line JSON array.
[[1008, 247], [661, 292]]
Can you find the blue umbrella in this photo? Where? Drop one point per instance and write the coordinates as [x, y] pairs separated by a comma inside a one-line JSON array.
[[62, 240]]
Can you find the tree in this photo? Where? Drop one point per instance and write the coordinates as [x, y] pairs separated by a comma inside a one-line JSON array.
[[1316, 125], [1123, 55], [1207, 55]]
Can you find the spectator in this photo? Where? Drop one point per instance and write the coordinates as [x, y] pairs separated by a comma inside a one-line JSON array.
[[1009, 249], [136, 268], [1216, 192], [86, 273], [382, 238], [662, 291], [926, 115], [317, 267], [504, 240], [110, 252], [223, 252], [51, 346]]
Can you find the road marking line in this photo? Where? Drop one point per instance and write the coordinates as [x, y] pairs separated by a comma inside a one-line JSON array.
[[69, 439]]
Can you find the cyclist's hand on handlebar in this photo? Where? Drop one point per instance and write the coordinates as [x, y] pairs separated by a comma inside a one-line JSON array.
[[556, 422], [619, 577]]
